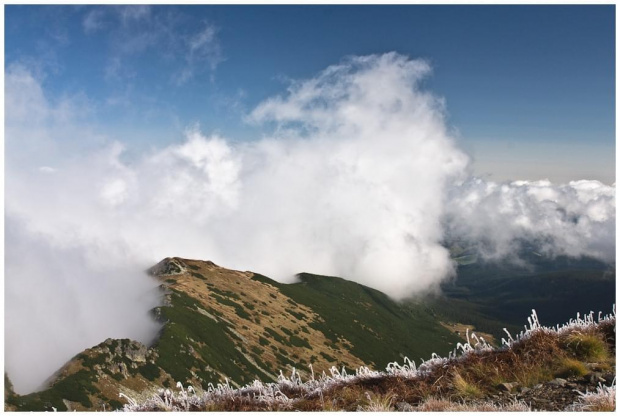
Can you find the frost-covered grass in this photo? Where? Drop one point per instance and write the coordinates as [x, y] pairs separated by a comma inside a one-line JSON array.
[[442, 405], [601, 400], [474, 365]]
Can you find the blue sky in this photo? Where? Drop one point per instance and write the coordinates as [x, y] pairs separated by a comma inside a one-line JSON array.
[[529, 89]]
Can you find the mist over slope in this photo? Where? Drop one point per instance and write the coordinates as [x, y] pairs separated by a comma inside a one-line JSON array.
[[358, 176]]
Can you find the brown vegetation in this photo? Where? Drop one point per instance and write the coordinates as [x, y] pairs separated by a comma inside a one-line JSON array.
[[477, 381]]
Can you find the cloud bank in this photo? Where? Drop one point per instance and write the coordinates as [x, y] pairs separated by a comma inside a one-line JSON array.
[[575, 219], [359, 177]]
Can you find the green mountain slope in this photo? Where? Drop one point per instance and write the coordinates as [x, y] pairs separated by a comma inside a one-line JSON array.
[[379, 330], [223, 324]]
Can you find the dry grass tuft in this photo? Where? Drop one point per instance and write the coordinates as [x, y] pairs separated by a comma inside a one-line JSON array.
[[569, 367], [377, 403], [433, 404], [464, 388], [586, 346], [442, 405]]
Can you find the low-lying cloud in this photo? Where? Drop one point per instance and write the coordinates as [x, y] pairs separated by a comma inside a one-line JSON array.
[[575, 219], [360, 177]]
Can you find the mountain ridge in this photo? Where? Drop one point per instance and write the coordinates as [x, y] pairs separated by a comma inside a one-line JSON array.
[[221, 324]]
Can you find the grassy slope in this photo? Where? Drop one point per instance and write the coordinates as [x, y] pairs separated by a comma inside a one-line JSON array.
[[74, 388], [211, 340], [78, 382], [379, 329]]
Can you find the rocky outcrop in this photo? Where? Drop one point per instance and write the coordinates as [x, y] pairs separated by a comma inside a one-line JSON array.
[[170, 266]]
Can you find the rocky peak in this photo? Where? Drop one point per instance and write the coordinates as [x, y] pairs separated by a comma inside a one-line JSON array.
[[169, 266]]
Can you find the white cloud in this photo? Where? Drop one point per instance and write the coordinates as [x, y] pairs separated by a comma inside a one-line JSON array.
[[47, 169], [117, 70], [65, 288], [130, 14], [203, 49], [576, 219], [93, 21], [163, 34], [202, 43], [114, 192]]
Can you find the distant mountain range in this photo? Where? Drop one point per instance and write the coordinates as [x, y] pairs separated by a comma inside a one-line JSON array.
[[223, 324]]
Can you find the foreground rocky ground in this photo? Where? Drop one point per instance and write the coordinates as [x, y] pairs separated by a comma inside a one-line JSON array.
[[555, 394]]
